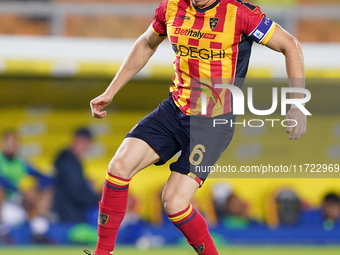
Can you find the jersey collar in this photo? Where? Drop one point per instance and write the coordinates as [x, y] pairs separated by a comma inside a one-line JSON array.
[[206, 8]]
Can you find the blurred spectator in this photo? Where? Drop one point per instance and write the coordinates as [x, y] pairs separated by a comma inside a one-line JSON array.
[[73, 194], [289, 206], [283, 207], [330, 209], [24, 192], [226, 208], [227, 203], [327, 215]]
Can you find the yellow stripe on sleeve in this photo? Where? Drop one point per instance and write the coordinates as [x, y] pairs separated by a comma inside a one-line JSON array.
[[155, 31], [269, 35]]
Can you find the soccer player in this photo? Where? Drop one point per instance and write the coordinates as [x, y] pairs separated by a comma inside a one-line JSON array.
[[211, 39]]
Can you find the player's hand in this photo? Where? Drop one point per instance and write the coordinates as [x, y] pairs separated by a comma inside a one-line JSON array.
[[300, 118], [98, 104]]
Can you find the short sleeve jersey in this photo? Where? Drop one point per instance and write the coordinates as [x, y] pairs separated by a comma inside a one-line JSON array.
[[211, 43]]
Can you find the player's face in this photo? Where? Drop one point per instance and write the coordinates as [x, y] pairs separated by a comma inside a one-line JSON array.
[[201, 3]]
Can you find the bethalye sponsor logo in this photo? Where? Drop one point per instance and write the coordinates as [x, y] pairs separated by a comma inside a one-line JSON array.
[[239, 105], [194, 33]]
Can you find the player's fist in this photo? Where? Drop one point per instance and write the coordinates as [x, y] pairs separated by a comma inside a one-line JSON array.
[[100, 103], [300, 122]]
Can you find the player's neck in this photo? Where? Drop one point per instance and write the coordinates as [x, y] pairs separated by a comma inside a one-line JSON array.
[[204, 5]]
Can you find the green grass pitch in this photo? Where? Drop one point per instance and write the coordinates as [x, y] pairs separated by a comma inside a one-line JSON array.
[[233, 250]]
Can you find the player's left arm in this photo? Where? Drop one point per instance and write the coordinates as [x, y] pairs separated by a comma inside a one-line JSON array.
[[289, 46]]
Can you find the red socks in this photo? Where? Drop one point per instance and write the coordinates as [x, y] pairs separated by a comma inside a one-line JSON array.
[[112, 209], [194, 227]]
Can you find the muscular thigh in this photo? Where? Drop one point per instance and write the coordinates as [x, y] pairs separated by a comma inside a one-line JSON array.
[[154, 140], [132, 156]]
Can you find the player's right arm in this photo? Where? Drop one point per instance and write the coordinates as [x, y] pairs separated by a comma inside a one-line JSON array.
[[141, 52]]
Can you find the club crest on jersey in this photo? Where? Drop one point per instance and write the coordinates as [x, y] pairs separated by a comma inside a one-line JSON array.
[[199, 249], [102, 218], [213, 23]]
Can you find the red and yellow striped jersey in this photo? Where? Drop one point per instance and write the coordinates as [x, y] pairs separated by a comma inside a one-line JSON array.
[[212, 45]]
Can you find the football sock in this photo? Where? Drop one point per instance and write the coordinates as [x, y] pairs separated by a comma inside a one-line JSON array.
[[112, 209], [194, 227]]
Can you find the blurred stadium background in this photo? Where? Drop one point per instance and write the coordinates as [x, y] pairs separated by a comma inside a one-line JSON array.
[[56, 55]]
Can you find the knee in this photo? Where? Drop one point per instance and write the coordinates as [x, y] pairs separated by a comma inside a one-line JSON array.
[[118, 167], [173, 203]]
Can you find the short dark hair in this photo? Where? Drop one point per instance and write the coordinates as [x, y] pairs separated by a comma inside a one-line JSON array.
[[332, 198], [84, 132], [8, 132]]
